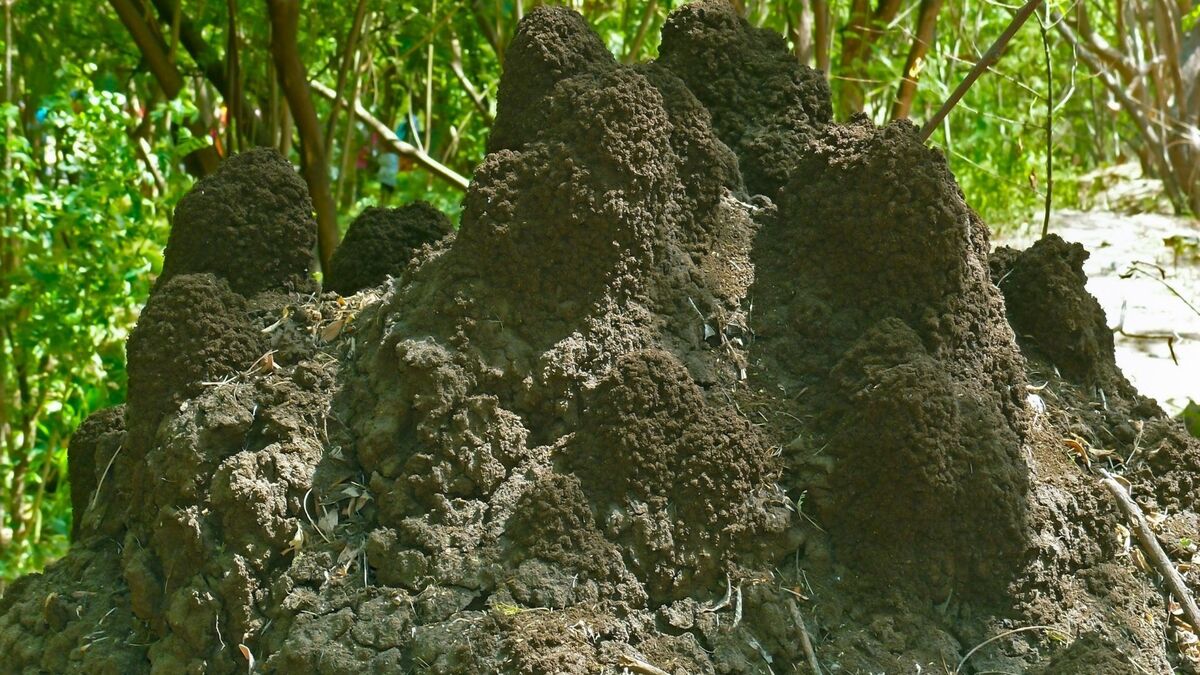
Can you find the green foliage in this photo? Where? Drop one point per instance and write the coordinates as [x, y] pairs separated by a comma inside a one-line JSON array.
[[83, 238], [1191, 19], [1191, 418]]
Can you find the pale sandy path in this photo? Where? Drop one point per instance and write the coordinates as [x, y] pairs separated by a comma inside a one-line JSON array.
[[1115, 242]]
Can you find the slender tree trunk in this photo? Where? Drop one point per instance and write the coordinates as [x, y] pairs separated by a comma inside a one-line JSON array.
[[344, 69], [236, 129], [822, 34], [639, 38], [862, 32], [285, 21], [6, 266], [926, 22], [205, 160], [800, 30]]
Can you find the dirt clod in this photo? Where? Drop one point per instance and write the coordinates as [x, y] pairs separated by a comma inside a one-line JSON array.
[[381, 242], [194, 329]]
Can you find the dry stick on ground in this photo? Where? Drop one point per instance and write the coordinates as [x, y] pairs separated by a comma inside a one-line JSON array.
[[981, 645], [992, 55], [805, 641], [285, 21], [398, 146], [639, 666], [1153, 549]]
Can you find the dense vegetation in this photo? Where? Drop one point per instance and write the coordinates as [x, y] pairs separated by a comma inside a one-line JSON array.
[[111, 111]]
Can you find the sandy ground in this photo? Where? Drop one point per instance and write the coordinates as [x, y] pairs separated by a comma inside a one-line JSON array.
[[1129, 271]]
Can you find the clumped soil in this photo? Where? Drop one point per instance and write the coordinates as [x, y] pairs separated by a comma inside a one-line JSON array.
[[381, 242], [703, 377]]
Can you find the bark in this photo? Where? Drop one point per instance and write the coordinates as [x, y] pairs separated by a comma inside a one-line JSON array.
[[822, 34], [285, 20], [344, 70], [862, 32], [214, 70], [205, 160], [926, 22], [800, 30]]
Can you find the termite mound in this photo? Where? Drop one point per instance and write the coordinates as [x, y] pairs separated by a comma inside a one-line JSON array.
[[700, 367]]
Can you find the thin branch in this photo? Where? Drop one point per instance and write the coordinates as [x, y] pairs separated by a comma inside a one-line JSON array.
[[926, 22], [150, 44], [635, 47], [1153, 550], [285, 20], [344, 67], [992, 55], [457, 67], [1049, 123], [1135, 110], [398, 146]]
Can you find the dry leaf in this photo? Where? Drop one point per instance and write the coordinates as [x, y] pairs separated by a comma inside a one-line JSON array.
[[330, 332], [1123, 538], [297, 541], [247, 655], [329, 521]]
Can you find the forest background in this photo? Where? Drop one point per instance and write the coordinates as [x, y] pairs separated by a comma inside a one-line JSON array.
[[112, 110]]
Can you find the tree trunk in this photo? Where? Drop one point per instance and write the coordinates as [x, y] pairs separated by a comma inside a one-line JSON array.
[[926, 22], [200, 162], [285, 20], [861, 33], [822, 34]]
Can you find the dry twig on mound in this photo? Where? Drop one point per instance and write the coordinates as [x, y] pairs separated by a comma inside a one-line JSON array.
[[1153, 549]]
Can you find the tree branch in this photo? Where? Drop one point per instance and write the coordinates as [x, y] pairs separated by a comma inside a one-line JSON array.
[[285, 20], [344, 68], [456, 66], [990, 57], [204, 160], [1154, 552], [398, 146], [926, 22]]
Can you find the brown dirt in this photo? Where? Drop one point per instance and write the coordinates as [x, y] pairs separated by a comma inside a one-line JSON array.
[[633, 413], [250, 223], [381, 242]]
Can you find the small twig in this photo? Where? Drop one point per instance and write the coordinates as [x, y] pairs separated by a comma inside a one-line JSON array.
[[723, 602], [304, 503], [637, 665], [395, 144], [992, 55], [1135, 268], [992, 639], [1153, 550], [456, 66], [100, 484], [635, 47], [805, 641]]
